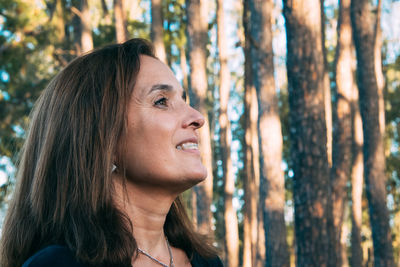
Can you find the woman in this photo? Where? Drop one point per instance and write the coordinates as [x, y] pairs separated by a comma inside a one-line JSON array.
[[112, 144]]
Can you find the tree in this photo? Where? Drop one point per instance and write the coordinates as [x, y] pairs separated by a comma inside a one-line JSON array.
[[121, 29], [305, 71], [374, 157], [272, 190], [157, 30], [357, 173], [230, 217], [197, 39], [86, 29], [253, 234], [342, 135]]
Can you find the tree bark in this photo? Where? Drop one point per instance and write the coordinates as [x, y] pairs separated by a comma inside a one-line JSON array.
[[272, 189], [305, 66], [197, 40], [357, 173], [374, 157], [121, 29], [253, 254], [327, 91], [230, 217], [86, 28], [342, 134], [380, 79], [157, 30]]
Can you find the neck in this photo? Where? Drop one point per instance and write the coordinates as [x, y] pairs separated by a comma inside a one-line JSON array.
[[147, 209]]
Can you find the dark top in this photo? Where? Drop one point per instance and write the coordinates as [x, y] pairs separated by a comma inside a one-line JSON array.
[[59, 256]]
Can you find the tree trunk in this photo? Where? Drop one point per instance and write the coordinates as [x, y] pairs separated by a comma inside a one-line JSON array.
[[357, 174], [272, 189], [197, 40], [121, 29], [230, 217], [183, 65], [378, 66], [305, 66], [253, 255], [374, 157], [157, 30], [342, 135], [86, 28], [327, 91]]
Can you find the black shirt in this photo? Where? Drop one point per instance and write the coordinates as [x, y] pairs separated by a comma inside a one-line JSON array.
[[60, 256]]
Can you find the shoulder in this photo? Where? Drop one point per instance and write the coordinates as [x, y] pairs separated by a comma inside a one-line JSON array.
[[198, 261], [50, 256]]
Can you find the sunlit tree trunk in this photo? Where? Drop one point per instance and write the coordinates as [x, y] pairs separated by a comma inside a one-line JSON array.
[[86, 35], [157, 30], [305, 66], [378, 66], [121, 29], [197, 39], [343, 240], [342, 133], [374, 157], [183, 64], [272, 190], [327, 90], [231, 221], [357, 174], [253, 231]]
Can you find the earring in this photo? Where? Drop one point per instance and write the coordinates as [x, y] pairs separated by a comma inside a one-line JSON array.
[[113, 168]]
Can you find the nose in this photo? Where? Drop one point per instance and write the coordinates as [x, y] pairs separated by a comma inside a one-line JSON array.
[[193, 119]]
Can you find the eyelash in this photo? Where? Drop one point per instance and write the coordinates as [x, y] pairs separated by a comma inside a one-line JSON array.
[[162, 101]]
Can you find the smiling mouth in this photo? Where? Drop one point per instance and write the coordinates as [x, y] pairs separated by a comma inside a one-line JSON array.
[[188, 146]]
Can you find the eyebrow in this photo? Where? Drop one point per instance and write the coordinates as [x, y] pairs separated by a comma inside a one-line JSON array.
[[165, 87]]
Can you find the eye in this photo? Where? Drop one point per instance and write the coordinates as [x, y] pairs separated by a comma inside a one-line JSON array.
[[161, 102]]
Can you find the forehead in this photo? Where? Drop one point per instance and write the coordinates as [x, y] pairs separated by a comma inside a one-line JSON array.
[[153, 72]]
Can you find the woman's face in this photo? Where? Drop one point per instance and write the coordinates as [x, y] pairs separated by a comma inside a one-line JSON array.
[[160, 147]]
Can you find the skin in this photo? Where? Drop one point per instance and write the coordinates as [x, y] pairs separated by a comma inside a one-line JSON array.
[[159, 120]]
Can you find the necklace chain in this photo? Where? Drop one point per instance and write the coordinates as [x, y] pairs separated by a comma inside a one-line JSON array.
[[171, 263]]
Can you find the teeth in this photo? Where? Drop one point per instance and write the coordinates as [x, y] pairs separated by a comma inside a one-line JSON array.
[[188, 146]]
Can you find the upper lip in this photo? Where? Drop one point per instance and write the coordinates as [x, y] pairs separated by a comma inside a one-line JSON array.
[[189, 140]]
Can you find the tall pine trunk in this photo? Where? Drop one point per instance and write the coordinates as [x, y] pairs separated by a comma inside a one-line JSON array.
[[157, 30], [374, 157], [327, 90], [230, 217], [357, 174], [197, 40], [253, 234], [86, 28], [121, 29], [305, 67], [272, 189], [342, 135]]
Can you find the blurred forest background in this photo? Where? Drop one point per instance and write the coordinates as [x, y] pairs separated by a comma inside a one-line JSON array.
[[302, 105]]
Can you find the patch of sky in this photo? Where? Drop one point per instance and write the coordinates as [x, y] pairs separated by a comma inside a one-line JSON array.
[[390, 21], [4, 95], [7, 166], [4, 76], [290, 173], [236, 203], [30, 46], [146, 6], [19, 132], [3, 177], [284, 165]]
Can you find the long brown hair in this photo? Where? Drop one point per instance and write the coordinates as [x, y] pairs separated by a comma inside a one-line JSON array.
[[64, 191]]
